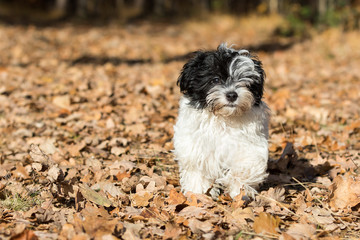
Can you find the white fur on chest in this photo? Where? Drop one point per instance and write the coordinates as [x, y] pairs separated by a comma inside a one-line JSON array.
[[231, 151]]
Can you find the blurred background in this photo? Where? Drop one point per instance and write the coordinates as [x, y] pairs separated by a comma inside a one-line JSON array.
[[298, 13]]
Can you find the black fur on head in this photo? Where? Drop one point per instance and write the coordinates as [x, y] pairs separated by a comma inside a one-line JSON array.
[[210, 77]]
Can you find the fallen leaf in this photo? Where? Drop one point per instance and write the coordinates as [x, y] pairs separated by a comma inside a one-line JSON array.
[[141, 199], [121, 175], [62, 101], [301, 231], [132, 231], [48, 146], [55, 174], [20, 172], [172, 231], [118, 150], [243, 213], [93, 196], [176, 197], [110, 123], [67, 231], [238, 201], [25, 235], [199, 227], [74, 149], [192, 211], [345, 192], [265, 223], [37, 155]]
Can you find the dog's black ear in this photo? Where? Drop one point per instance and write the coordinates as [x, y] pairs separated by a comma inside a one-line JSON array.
[[188, 72], [257, 87], [259, 69]]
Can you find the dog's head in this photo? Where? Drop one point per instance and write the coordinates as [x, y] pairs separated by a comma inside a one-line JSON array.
[[225, 81]]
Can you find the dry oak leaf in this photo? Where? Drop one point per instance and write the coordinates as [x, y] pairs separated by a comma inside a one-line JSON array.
[[171, 231], [238, 201], [150, 212], [109, 188], [20, 172], [265, 223], [62, 101], [122, 174], [277, 193], [141, 199], [37, 154], [353, 126], [25, 235], [55, 173], [322, 216], [81, 236], [345, 192], [176, 198], [243, 213], [68, 231], [199, 227], [199, 200], [94, 196], [74, 149], [301, 231], [118, 150], [132, 231], [96, 222], [192, 211], [48, 147]]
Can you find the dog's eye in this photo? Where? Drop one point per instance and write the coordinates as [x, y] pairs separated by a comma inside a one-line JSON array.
[[216, 80]]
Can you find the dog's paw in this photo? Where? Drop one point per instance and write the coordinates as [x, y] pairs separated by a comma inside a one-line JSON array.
[[250, 192], [215, 190]]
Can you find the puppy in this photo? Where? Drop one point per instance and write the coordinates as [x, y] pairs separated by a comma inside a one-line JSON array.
[[220, 137]]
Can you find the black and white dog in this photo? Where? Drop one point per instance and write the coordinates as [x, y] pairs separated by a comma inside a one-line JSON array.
[[221, 133]]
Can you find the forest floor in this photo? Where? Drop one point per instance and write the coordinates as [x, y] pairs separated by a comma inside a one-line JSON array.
[[86, 126]]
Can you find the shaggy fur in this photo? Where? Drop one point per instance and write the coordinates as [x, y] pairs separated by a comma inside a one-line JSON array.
[[221, 133]]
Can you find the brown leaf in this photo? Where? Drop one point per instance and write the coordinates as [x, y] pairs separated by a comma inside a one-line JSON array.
[[345, 192], [110, 123], [322, 216], [199, 200], [243, 213], [74, 149], [38, 155], [172, 231], [20, 172], [280, 98], [238, 201], [62, 101], [81, 236], [277, 193], [176, 197], [301, 231], [118, 150], [55, 174], [266, 223], [353, 126], [141, 199], [199, 227], [25, 235], [93, 196], [192, 211], [132, 231], [121, 175]]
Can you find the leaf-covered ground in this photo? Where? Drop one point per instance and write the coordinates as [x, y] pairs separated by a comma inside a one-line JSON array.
[[86, 122]]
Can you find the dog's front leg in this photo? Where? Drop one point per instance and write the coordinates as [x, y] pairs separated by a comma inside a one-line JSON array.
[[194, 181]]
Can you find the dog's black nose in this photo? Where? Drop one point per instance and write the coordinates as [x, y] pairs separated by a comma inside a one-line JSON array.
[[231, 96]]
